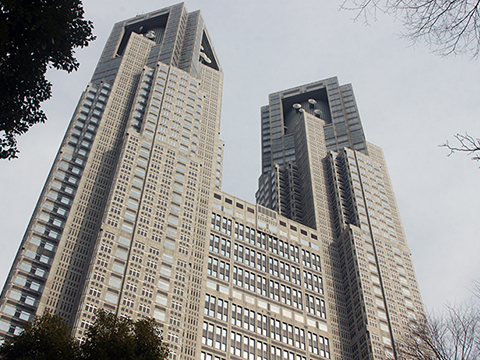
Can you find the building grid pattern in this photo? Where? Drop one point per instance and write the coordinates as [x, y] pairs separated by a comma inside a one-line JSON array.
[[132, 218]]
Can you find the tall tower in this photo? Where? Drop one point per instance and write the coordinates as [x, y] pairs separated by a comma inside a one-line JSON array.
[[132, 218], [294, 125], [318, 170], [134, 172]]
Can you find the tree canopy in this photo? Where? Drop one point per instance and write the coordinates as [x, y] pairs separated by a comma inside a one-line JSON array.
[[113, 338], [47, 337], [34, 35]]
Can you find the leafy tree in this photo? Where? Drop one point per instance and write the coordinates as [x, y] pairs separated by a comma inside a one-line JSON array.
[[446, 26], [47, 337], [113, 338], [34, 35]]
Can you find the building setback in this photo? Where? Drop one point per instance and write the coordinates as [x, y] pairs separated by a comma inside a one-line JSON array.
[[132, 218]]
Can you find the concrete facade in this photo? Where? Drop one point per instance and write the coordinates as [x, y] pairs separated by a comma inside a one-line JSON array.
[[132, 218]]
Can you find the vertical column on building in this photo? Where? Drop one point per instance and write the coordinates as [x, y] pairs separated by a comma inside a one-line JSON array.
[[211, 86], [383, 295]]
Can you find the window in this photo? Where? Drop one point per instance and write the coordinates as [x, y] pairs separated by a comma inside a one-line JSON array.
[[172, 337], [128, 302], [144, 308], [147, 293], [94, 292], [131, 287], [177, 306]]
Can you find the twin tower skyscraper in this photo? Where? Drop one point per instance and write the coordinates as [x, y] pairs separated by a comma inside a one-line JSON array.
[[132, 218]]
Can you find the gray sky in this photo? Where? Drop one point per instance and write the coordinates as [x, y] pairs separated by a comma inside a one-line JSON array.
[[410, 101]]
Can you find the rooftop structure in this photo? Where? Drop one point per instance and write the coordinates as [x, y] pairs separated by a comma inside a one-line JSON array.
[[132, 218]]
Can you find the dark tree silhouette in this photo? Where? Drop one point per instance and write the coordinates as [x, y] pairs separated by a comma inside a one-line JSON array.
[[34, 35], [47, 337], [113, 338]]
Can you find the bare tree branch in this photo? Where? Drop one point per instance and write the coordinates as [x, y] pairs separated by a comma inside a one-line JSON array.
[[467, 144], [453, 334], [445, 26], [364, 9]]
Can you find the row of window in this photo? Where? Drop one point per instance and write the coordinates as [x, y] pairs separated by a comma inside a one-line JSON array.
[[221, 269], [270, 288], [263, 241], [244, 345], [243, 317]]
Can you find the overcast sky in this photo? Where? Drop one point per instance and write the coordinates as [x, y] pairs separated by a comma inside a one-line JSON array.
[[409, 99]]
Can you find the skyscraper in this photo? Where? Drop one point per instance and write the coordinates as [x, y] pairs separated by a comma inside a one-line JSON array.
[[132, 217], [318, 170]]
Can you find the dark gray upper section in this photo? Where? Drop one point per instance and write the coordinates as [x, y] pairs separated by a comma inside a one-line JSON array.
[[325, 99], [283, 184], [181, 40]]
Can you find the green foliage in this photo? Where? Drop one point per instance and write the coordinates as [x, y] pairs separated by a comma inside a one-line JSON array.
[[112, 338], [45, 338], [34, 35]]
